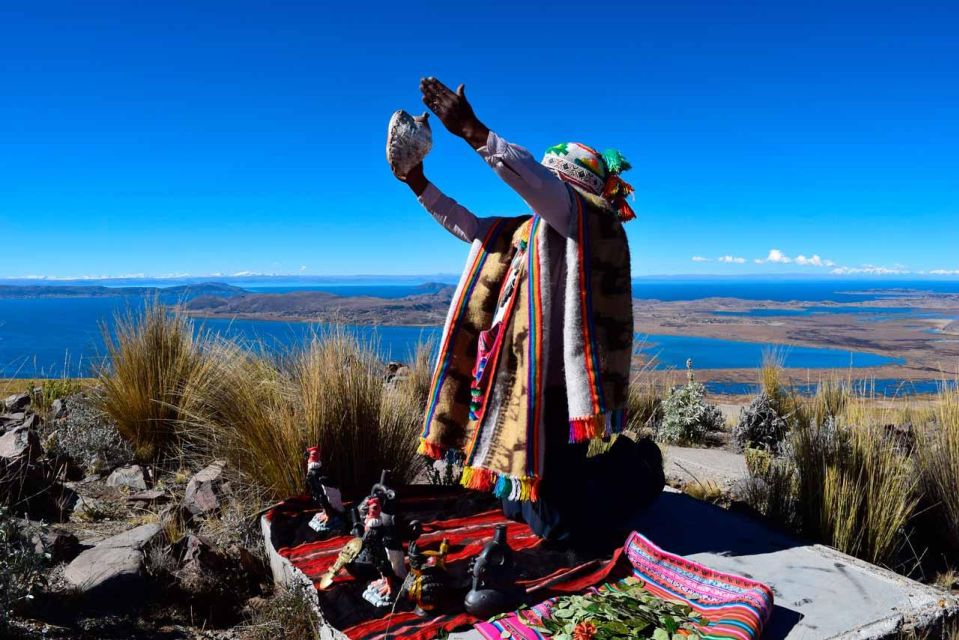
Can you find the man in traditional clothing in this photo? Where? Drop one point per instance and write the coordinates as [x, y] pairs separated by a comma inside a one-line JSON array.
[[535, 354]]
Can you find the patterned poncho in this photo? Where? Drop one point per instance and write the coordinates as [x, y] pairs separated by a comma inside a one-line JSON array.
[[497, 426]]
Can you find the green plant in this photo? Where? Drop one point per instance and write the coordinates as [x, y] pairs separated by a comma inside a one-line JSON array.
[[22, 569], [622, 611], [759, 426], [687, 417], [154, 363], [44, 394]]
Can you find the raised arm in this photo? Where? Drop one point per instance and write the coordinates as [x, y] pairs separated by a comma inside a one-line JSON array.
[[544, 192], [456, 218]]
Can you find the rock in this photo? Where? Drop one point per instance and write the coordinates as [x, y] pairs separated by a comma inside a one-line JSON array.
[[19, 443], [150, 496], [62, 546], [128, 477], [58, 409], [17, 402], [204, 492], [12, 419], [114, 566], [32, 421]]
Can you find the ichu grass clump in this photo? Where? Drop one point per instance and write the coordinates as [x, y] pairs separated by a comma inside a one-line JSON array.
[[154, 362]]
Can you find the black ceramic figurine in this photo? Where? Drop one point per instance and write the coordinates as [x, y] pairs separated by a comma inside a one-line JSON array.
[[382, 554], [493, 589], [427, 586], [325, 494]]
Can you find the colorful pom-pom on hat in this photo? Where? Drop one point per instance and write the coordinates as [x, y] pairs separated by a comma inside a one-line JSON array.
[[594, 172]]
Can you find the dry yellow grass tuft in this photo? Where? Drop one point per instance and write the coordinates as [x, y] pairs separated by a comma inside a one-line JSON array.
[[938, 461], [154, 361], [262, 414]]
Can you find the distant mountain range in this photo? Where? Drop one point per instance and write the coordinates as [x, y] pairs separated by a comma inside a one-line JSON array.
[[181, 292], [427, 306]]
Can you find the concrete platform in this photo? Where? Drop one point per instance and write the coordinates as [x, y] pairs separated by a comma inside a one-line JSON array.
[[819, 592]]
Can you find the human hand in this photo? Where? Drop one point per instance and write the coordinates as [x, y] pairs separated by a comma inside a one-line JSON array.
[[454, 111]]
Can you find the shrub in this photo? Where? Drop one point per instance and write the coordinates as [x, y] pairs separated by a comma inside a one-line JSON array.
[[687, 417], [154, 362], [760, 427], [938, 461], [262, 414], [43, 394], [89, 437], [22, 573], [288, 615], [848, 486]]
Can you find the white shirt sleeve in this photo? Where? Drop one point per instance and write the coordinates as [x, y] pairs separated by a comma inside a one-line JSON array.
[[543, 191]]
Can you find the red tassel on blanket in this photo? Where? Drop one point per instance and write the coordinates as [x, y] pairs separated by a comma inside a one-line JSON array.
[[588, 428], [430, 450]]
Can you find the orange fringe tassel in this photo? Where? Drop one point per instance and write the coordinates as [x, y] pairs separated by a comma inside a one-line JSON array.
[[502, 486], [430, 450]]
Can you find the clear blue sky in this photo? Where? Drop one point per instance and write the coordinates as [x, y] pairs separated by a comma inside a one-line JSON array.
[[204, 137]]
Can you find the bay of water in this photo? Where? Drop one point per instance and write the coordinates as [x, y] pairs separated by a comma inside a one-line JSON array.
[[62, 336]]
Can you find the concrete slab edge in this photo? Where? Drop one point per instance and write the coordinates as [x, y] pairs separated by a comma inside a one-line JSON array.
[[288, 576], [934, 608]]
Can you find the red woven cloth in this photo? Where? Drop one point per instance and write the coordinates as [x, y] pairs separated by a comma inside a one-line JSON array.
[[543, 573]]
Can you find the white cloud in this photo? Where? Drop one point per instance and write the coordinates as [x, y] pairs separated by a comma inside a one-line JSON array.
[[814, 261], [732, 259], [700, 259], [775, 255], [778, 257], [945, 272], [870, 269], [302, 268]]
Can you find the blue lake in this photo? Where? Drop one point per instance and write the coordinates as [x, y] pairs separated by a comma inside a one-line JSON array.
[[671, 352], [53, 336], [884, 387]]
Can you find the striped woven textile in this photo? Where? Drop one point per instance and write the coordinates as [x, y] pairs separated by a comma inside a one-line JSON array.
[[547, 572], [732, 607]]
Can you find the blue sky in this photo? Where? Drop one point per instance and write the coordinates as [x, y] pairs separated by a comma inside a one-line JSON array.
[[203, 137]]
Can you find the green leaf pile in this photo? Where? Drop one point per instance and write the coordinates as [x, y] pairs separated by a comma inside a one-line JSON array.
[[626, 612]]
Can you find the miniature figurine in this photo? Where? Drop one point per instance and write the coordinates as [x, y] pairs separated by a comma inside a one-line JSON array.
[[428, 583], [493, 590], [323, 491], [382, 552]]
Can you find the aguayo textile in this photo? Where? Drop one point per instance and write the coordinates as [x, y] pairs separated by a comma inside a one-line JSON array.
[[543, 572], [732, 607], [487, 389]]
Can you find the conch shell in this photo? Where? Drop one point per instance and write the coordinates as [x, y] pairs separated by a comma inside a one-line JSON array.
[[408, 140]]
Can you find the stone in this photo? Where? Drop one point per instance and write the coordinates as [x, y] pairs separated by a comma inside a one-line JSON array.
[[62, 546], [114, 566], [150, 496], [19, 443], [12, 418], [205, 491], [17, 402], [58, 409], [31, 421], [128, 477]]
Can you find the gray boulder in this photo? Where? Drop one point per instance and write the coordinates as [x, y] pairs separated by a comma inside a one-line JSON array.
[[205, 491], [19, 444], [58, 409], [115, 565], [128, 477], [16, 402]]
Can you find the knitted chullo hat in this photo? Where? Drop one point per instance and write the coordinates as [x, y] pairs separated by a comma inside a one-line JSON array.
[[594, 172]]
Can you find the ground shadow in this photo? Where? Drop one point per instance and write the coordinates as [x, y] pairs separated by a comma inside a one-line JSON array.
[[686, 526]]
